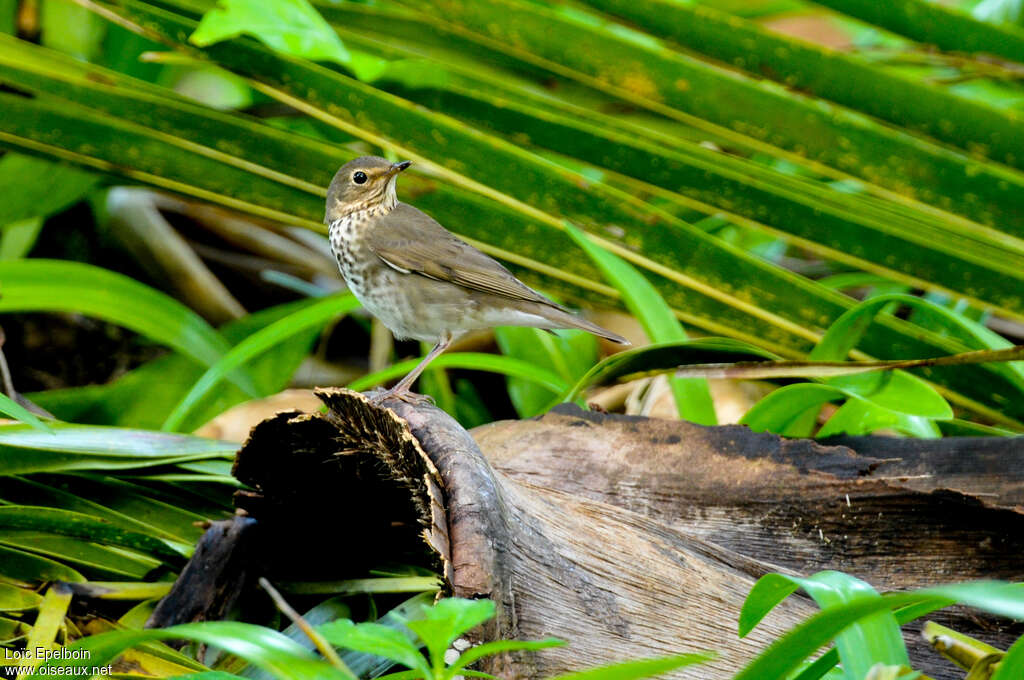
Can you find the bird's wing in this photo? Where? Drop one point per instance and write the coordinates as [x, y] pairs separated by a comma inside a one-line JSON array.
[[411, 241]]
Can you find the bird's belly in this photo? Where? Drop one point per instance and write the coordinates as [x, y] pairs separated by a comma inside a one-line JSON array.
[[410, 305]]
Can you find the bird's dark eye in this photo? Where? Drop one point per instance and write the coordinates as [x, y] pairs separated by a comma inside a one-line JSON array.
[[359, 177]]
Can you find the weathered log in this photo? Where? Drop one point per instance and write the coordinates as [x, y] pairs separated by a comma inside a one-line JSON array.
[[625, 536], [213, 580]]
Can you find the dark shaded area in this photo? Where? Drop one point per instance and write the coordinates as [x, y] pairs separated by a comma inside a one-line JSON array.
[[219, 571]]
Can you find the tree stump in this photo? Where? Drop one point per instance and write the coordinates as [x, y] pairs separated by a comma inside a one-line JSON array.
[[625, 536]]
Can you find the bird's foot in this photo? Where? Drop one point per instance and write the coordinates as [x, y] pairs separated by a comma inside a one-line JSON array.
[[378, 397]]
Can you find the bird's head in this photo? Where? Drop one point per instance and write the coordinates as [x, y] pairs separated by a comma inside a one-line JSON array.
[[363, 183]]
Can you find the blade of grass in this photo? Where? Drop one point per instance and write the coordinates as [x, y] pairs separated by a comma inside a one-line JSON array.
[[11, 408], [43, 635], [692, 396], [68, 447], [262, 647], [317, 314], [60, 286]]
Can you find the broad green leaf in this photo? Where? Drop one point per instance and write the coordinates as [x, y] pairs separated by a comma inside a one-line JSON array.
[[693, 399], [569, 354], [289, 26], [657, 358], [887, 399], [15, 599], [292, 27], [369, 665], [49, 620], [293, 200], [787, 653], [912, 103], [897, 391], [858, 416], [376, 639], [314, 316], [783, 410], [89, 447], [71, 28], [78, 525], [24, 567], [640, 668], [60, 286], [879, 400], [443, 623], [872, 640], [43, 188], [19, 237], [1012, 665], [935, 24], [144, 397]]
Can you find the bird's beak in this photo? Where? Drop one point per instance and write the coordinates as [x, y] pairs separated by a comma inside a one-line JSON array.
[[398, 167]]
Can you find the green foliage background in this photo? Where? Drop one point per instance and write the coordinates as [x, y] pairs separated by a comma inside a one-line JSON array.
[[682, 160]]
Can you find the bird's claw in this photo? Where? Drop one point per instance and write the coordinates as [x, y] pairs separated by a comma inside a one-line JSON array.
[[379, 397]]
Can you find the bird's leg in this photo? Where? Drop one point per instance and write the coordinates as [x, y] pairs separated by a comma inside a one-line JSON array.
[[401, 390]]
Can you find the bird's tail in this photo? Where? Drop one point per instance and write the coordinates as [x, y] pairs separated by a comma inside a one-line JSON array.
[[562, 318]]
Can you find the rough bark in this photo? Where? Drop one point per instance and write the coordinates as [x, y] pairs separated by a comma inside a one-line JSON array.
[[627, 537]]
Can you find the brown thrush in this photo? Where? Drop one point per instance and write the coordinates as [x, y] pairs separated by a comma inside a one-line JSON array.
[[418, 278]]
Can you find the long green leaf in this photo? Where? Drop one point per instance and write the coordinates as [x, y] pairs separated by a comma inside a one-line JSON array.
[[15, 599], [87, 447], [50, 619], [11, 408], [262, 647], [846, 79], [314, 316], [693, 399], [144, 397], [644, 71], [935, 24], [782, 411], [44, 188], [78, 525], [118, 502], [872, 640], [1012, 665], [68, 127], [59, 286], [785, 654], [657, 357], [28, 568], [92, 559]]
